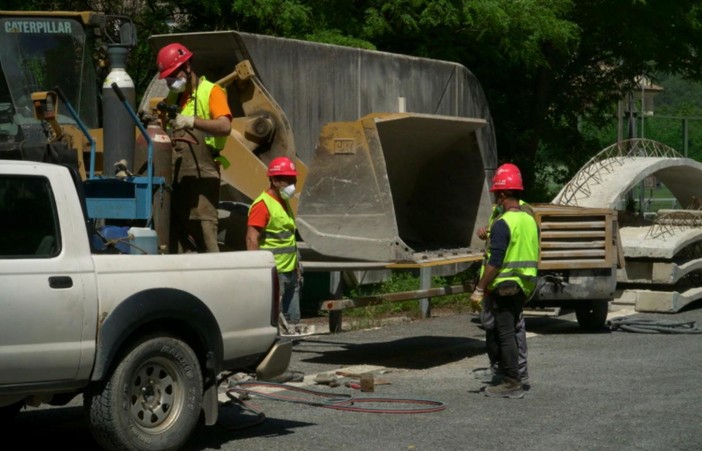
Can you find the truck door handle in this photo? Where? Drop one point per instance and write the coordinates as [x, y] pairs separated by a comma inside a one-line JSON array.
[[60, 282]]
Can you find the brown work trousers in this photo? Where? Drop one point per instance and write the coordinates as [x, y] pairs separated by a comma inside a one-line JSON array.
[[195, 194]]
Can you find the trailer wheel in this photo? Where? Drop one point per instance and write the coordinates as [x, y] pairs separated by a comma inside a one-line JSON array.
[[593, 315], [152, 400]]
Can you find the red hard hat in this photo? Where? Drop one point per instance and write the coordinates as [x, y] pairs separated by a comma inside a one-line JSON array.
[[281, 166], [170, 58], [507, 177]]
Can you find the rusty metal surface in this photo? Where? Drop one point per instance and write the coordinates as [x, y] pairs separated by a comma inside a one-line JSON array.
[[388, 186]]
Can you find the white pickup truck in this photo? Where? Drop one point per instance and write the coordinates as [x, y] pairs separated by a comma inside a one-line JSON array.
[[146, 339]]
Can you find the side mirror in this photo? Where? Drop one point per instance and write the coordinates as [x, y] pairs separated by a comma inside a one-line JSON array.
[[45, 105]]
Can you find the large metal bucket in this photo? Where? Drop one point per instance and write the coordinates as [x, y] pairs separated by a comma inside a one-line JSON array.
[[389, 187]]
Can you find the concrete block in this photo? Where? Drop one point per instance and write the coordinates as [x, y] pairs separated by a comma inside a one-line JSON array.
[[665, 301], [624, 297]]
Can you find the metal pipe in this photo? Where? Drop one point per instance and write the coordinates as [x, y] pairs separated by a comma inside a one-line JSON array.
[[149, 142], [82, 127]]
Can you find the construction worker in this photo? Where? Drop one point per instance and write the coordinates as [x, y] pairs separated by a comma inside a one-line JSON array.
[[200, 130], [492, 374], [271, 226], [507, 277]]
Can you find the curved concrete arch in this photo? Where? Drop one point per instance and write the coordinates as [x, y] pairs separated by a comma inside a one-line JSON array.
[[657, 272], [680, 175], [640, 242], [679, 271], [606, 178]]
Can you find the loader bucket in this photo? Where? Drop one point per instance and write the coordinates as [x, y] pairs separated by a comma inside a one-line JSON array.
[[393, 187]]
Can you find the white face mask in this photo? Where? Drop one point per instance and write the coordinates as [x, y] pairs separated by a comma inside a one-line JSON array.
[[288, 191], [178, 85]]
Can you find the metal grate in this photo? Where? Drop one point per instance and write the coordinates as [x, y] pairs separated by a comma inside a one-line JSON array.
[[575, 237]]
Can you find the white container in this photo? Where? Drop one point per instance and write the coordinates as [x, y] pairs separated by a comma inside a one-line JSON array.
[[142, 241]]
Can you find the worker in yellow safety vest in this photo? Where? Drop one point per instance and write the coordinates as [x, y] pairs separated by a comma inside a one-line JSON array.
[[493, 374], [508, 276], [200, 130], [271, 226]]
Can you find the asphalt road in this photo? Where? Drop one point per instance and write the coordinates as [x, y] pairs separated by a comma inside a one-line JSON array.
[[589, 391]]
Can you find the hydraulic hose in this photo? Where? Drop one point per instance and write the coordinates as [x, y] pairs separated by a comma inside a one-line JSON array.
[[647, 326], [335, 401]]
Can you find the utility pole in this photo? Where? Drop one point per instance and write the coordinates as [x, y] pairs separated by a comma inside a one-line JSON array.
[[630, 134]]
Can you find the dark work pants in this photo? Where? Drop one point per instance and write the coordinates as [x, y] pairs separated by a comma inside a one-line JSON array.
[[487, 317], [501, 341]]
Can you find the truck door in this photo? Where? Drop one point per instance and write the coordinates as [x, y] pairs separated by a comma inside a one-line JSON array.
[[44, 329]]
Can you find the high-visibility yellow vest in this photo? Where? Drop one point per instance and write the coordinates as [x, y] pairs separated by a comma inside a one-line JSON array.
[[279, 234], [202, 97], [522, 256]]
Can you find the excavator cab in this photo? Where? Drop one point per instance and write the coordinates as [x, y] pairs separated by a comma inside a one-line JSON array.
[[40, 51]]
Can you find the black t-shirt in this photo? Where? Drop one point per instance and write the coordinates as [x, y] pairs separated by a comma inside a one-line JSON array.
[[499, 241]]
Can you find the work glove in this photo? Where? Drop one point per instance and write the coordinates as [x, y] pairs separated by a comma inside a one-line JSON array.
[[183, 121], [475, 300], [482, 233]]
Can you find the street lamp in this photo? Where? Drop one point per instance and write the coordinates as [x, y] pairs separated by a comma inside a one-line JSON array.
[[641, 96], [639, 103]]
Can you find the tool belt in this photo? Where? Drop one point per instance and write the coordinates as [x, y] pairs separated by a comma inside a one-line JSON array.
[[508, 288]]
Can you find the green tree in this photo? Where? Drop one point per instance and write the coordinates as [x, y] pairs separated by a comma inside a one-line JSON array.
[[552, 70]]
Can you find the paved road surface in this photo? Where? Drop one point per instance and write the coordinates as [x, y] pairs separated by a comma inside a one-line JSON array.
[[596, 391]]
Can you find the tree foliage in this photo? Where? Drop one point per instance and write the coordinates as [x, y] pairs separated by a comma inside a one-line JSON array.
[[552, 70]]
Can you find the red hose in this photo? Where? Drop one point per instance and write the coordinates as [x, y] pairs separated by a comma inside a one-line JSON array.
[[338, 402]]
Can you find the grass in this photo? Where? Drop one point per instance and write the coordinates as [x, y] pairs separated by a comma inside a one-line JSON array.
[[372, 316]]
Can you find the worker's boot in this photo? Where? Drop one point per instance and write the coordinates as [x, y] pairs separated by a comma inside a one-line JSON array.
[[524, 377], [491, 375], [509, 388]]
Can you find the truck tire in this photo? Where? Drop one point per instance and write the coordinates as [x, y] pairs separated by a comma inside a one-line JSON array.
[[152, 400], [593, 315]]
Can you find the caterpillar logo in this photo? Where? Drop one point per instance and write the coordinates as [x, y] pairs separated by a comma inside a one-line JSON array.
[[37, 26]]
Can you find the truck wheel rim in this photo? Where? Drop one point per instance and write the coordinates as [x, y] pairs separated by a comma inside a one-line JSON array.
[[156, 395]]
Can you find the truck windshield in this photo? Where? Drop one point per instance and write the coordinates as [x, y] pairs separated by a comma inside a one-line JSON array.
[[38, 54]]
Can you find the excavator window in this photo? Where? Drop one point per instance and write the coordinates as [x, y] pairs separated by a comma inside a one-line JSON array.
[[40, 53]]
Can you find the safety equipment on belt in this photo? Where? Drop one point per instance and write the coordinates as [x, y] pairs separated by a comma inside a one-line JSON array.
[[288, 191], [170, 58], [183, 121], [281, 166], [507, 177], [476, 299]]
